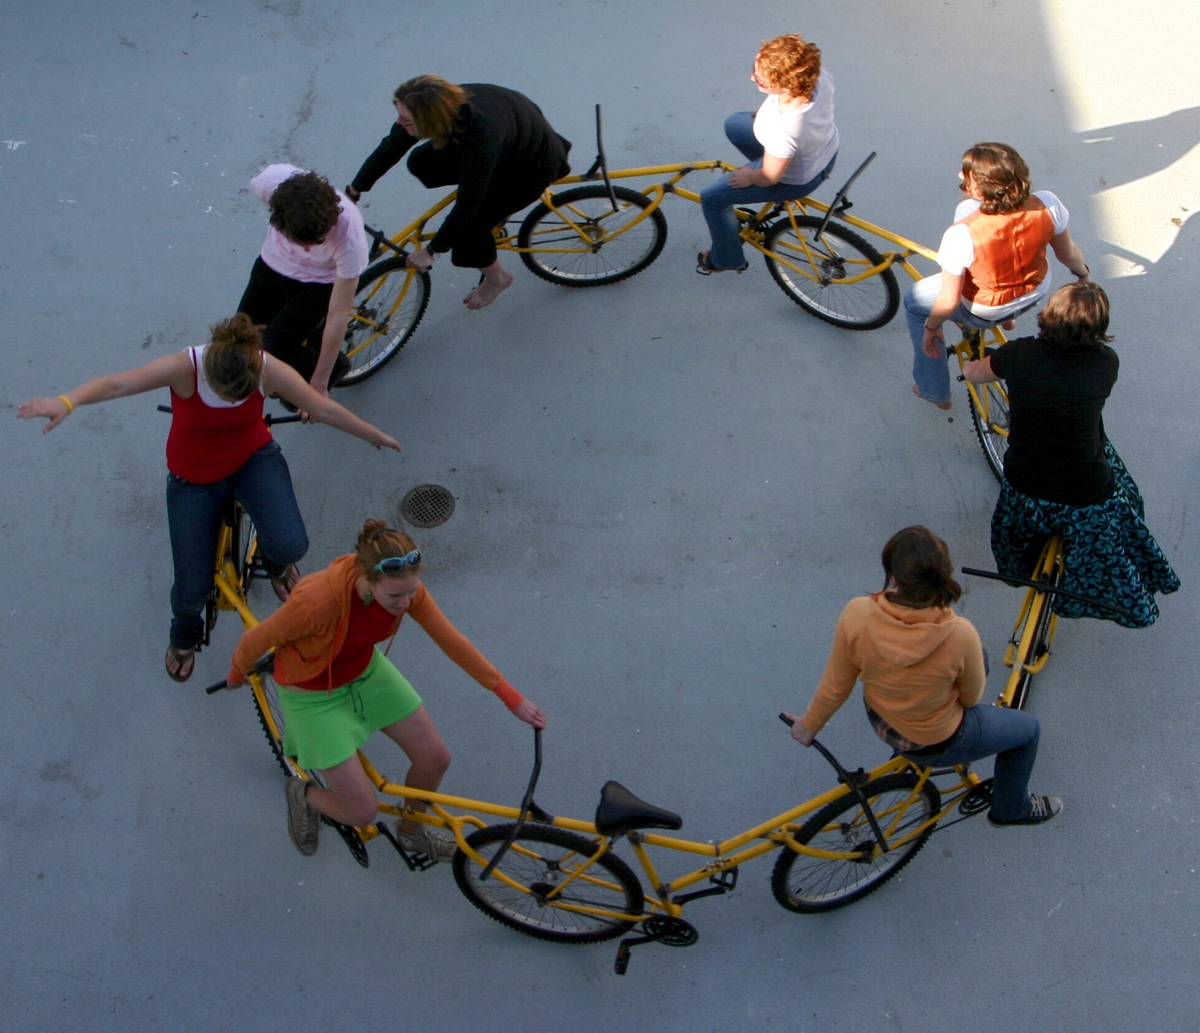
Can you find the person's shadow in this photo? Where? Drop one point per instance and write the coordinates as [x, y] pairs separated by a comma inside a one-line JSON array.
[[1134, 150]]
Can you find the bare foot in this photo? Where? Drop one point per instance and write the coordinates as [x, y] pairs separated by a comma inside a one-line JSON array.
[[493, 284], [940, 405], [1008, 324]]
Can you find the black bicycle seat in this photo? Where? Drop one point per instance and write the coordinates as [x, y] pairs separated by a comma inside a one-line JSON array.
[[620, 811]]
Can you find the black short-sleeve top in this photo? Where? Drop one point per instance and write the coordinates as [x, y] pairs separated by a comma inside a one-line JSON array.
[[1056, 431]]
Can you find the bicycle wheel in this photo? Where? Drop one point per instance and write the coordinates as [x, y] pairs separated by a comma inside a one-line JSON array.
[[989, 414], [1039, 646], [540, 859], [245, 547], [831, 277], [809, 884], [270, 716], [585, 242], [388, 307]]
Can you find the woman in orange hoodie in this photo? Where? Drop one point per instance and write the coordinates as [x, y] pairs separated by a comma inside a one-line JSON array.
[[923, 669], [340, 688]]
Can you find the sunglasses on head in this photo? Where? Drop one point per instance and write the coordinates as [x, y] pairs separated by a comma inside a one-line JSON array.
[[397, 564]]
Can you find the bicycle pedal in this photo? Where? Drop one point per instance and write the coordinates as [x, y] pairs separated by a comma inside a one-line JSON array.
[[416, 862]]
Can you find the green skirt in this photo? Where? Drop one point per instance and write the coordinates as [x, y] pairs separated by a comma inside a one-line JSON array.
[[322, 729]]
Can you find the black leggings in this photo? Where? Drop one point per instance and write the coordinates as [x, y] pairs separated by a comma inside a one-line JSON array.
[[293, 312]]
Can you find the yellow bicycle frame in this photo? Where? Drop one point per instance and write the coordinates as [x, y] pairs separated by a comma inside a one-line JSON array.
[[1034, 612], [763, 838]]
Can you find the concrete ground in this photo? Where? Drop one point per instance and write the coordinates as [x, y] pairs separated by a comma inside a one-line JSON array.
[[666, 489]]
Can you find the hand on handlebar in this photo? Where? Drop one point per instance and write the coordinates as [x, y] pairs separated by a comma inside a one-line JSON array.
[[422, 260], [801, 734], [530, 713]]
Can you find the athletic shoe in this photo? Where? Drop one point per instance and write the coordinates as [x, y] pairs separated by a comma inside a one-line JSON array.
[[304, 824], [1041, 808], [433, 843]]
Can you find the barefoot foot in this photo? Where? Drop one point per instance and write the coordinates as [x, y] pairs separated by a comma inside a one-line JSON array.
[[491, 286]]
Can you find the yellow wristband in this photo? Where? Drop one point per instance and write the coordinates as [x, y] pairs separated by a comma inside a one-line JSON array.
[[68, 403]]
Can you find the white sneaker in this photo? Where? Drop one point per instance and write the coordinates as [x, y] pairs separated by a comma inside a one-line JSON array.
[[433, 843]]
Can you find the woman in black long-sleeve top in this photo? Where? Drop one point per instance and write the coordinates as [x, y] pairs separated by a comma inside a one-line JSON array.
[[493, 142]]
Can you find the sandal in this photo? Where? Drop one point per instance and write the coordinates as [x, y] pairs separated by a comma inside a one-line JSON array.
[[705, 267], [285, 582], [184, 661]]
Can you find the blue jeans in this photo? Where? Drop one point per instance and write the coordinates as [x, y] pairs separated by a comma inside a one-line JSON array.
[[932, 376], [718, 198], [264, 486], [1012, 735]]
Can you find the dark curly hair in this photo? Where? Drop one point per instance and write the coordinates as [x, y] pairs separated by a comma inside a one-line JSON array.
[[304, 208]]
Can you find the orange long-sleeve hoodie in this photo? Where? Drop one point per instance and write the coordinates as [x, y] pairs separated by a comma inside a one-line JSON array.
[[919, 668], [308, 631]]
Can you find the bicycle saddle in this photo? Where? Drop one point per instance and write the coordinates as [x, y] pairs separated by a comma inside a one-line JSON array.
[[619, 811]]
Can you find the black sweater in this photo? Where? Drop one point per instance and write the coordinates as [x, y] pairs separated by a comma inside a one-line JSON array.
[[500, 139]]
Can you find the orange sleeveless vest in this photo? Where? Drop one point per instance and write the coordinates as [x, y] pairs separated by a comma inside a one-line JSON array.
[[1010, 253]]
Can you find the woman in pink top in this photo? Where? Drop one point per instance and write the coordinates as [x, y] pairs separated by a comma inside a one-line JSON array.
[[304, 280], [922, 669], [218, 446]]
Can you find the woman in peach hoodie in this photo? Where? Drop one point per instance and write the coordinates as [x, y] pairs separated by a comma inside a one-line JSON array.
[[922, 668]]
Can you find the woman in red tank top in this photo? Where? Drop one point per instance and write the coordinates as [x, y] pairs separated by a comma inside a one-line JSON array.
[[218, 446]]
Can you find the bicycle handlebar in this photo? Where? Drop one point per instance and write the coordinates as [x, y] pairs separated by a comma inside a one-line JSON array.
[[852, 783], [268, 418], [526, 805], [1048, 588], [265, 663]]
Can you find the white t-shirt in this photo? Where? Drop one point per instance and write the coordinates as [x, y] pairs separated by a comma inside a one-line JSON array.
[[806, 136], [957, 252], [342, 254]]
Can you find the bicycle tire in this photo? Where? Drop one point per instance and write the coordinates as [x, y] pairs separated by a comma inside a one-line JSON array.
[[245, 547], [1037, 648], [270, 717], [609, 254], [537, 860], [387, 309], [810, 885], [821, 287], [990, 418]]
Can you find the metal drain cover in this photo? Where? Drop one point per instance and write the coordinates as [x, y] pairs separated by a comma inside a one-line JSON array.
[[427, 505]]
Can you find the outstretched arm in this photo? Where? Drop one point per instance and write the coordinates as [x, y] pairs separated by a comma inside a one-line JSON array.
[[284, 381], [169, 371]]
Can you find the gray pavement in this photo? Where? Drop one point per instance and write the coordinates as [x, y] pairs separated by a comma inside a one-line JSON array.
[[666, 489]]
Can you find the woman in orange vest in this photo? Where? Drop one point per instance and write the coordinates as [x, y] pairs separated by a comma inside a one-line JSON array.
[[993, 261]]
